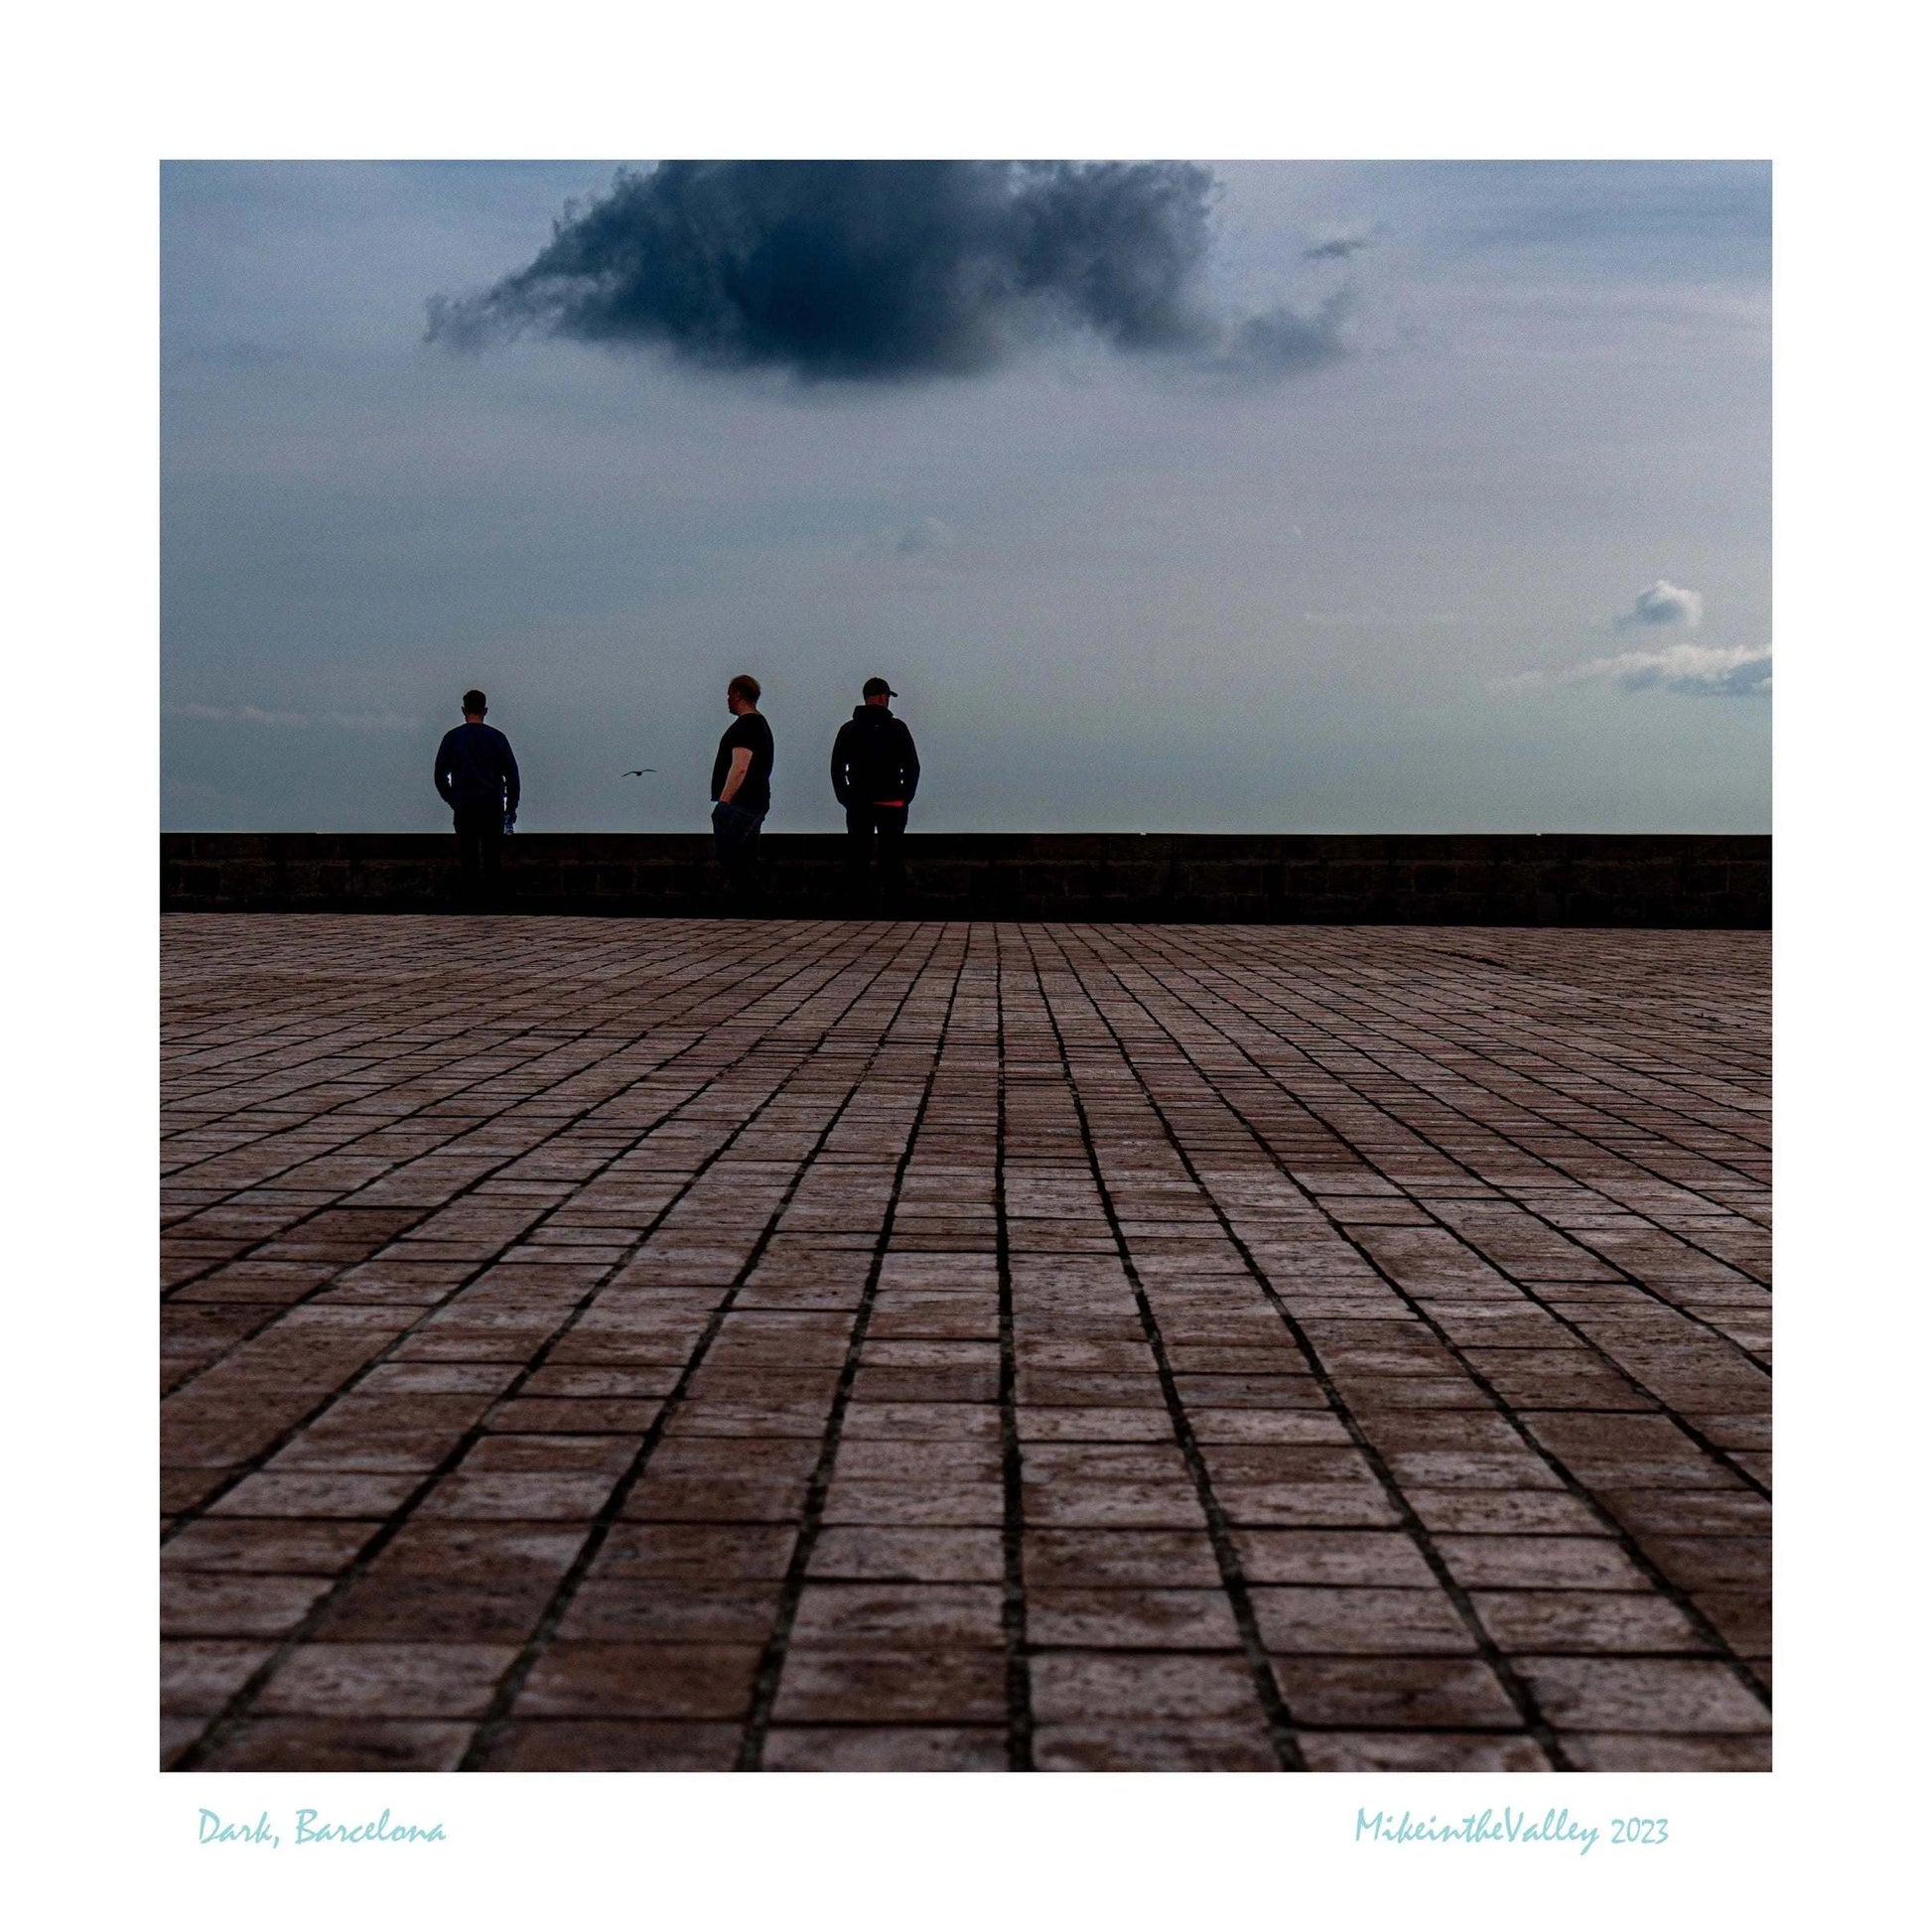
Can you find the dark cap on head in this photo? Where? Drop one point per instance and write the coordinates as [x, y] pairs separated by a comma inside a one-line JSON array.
[[877, 687], [473, 701]]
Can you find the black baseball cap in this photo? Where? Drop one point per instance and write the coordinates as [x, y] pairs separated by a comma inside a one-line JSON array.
[[877, 687]]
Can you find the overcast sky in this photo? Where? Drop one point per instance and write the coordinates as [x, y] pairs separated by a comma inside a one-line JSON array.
[[1291, 496]]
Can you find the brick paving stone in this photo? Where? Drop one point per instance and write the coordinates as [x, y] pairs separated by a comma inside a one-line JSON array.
[[199, 1675], [641, 1680], [883, 1747], [339, 1745], [1427, 1750], [892, 1685], [1138, 1744], [677, 1345], [403, 1680], [612, 1744]]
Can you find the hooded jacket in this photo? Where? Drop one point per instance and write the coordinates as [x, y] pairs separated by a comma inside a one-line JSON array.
[[873, 758]]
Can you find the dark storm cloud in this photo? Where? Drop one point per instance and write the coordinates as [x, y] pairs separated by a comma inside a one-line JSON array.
[[876, 271]]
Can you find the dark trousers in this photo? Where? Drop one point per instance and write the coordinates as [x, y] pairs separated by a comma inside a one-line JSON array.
[[735, 838], [479, 850], [861, 822]]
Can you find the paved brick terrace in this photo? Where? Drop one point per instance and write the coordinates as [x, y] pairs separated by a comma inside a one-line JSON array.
[[600, 1344]]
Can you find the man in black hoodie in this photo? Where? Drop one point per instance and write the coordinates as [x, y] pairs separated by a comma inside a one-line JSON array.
[[476, 778], [875, 772]]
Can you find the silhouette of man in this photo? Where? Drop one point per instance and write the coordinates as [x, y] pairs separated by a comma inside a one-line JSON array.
[[741, 789], [476, 778], [875, 772]]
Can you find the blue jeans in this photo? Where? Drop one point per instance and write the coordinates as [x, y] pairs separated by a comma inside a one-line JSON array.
[[735, 836]]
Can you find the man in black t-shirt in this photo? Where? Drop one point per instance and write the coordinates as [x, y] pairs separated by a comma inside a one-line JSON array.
[[741, 789], [476, 778]]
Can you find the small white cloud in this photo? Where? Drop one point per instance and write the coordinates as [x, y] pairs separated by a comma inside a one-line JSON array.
[[1690, 670], [247, 713], [1663, 603]]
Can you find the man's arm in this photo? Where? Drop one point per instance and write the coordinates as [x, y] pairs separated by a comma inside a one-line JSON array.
[[841, 767], [740, 764], [443, 790], [513, 781], [908, 765]]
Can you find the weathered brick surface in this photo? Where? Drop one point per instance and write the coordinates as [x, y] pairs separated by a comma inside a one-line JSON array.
[[947, 1345], [1709, 882]]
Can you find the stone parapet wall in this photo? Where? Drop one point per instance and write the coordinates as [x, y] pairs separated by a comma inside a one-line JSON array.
[[1486, 879]]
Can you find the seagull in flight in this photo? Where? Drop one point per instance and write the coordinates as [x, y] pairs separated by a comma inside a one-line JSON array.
[[641, 772]]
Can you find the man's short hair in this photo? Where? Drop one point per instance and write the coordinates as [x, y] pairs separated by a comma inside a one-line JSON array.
[[744, 686], [473, 701]]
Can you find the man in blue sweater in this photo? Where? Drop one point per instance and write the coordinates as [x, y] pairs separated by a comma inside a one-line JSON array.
[[476, 778]]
